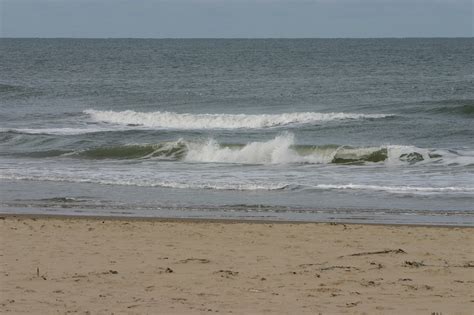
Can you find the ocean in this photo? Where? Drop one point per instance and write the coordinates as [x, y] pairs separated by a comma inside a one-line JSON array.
[[337, 130]]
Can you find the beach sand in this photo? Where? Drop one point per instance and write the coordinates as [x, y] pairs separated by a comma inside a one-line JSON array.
[[60, 265]]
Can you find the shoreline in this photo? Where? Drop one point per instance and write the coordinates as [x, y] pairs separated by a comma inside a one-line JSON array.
[[215, 220]]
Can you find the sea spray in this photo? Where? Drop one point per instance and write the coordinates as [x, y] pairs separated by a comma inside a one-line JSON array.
[[275, 151]]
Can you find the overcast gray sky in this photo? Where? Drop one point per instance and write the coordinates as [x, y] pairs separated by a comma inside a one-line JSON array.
[[236, 18]]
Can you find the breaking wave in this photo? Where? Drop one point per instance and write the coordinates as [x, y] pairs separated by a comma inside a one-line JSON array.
[[280, 150], [218, 121], [283, 150]]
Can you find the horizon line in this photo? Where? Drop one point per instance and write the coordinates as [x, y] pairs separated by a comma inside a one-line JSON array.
[[247, 38]]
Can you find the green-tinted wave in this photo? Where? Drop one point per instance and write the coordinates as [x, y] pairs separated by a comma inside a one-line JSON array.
[[276, 151], [464, 110], [171, 151], [5, 88], [452, 107], [354, 157]]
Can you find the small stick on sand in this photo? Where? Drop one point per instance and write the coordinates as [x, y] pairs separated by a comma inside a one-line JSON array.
[[388, 251]]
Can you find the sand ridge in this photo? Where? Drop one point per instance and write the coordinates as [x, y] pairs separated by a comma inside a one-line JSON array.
[[123, 266]]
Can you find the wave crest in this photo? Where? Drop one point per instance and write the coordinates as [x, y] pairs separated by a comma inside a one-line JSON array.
[[283, 150], [218, 121], [279, 150]]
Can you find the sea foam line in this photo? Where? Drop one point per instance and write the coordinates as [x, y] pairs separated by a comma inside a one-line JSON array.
[[237, 186], [66, 131], [396, 189], [245, 186], [218, 121]]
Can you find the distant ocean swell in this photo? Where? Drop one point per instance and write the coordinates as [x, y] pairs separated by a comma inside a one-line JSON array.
[[280, 150]]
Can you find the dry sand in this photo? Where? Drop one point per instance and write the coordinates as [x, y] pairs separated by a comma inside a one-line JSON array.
[[126, 266]]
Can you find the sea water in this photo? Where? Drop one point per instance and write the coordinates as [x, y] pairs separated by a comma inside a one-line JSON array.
[[356, 130]]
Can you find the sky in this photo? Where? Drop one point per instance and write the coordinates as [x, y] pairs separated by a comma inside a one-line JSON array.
[[236, 18]]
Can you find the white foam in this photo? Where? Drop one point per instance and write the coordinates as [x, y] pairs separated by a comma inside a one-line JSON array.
[[225, 186], [446, 157], [397, 189], [282, 150], [275, 151], [150, 182], [58, 131], [218, 121], [240, 186]]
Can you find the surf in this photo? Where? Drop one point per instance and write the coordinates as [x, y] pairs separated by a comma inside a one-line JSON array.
[[283, 149], [172, 120]]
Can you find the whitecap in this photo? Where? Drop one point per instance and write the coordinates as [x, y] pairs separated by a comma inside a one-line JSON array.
[[174, 120]]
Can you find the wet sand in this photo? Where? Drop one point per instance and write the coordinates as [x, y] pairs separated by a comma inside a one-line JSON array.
[[60, 265]]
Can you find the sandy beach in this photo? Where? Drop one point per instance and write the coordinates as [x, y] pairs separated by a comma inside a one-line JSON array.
[[60, 265]]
